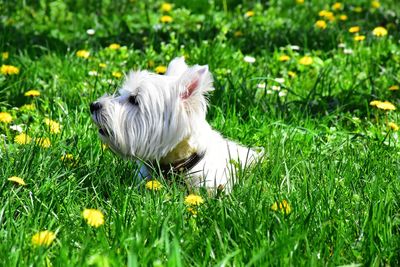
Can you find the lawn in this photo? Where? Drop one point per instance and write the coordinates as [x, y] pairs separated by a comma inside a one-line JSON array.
[[315, 83]]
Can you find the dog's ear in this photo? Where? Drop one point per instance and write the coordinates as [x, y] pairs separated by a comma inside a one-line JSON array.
[[177, 67], [195, 82]]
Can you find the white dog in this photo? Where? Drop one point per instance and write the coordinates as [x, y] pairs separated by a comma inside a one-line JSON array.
[[162, 119]]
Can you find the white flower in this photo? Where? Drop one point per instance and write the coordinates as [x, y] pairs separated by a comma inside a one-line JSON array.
[[341, 45], [261, 85], [17, 128], [282, 93], [269, 92], [90, 31], [295, 47], [93, 73], [348, 51], [249, 59], [275, 87], [279, 80]]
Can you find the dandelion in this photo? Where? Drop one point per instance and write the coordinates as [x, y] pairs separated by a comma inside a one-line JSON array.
[[4, 55], [283, 206], [114, 46], [375, 4], [343, 17], [327, 14], [337, 6], [9, 70], [380, 31], [249, 59], [292, 74], [22, 139], [43, 238], [300, 2], [358, 9], [116, 74], [53, 126], [166, 19], [153, 185], [359, 38], [374, 103], [5, 117], [284, 58], [166, 7], [161, 69], [193, 200], [17, 180], [83, 53], [249, 14], [386, 105], [67, 157], [93, 217], [394, 88], [102, 65], [32, 93], [321, 24], [27, 107], [393, 126], [306, 60], [43, 142], [354, 29]]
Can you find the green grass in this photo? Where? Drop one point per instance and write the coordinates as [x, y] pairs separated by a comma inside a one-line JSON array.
[[330, 154]]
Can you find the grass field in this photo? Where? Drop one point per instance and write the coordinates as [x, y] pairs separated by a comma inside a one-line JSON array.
[[295, 77]]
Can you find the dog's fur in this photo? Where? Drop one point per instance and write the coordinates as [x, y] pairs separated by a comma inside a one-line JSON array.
[[163, 118]]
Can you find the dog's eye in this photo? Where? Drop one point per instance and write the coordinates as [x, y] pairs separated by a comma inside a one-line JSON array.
[[132, 100]]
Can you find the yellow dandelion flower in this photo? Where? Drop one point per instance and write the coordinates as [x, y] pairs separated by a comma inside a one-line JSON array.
[[193, 200], [375, 4], [166, 19], [27, 107], [32, 93], [93, 217], [17, 180], [394, 88], [9, 70], [114, 46], [153, 185], [4, 55], [386, 105], [116, 74], [166, 7], [282, 206], [83, 53], [102, 65], [192, 210], [393, 126], [43, 142], [306, 60], [299, 2], [249, 14], [337, 6], [343, 17], [358, 9], [292, 74], [22, 139], [374, 103], [321, 24], [5, 117], [53, 126], [284, 58], [354, 29], [67, 157], [380, 31], [160, 69], [43, 238], [359, 38], [327, 14]]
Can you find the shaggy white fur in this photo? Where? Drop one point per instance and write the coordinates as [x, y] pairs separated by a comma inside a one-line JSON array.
[[163, 118]]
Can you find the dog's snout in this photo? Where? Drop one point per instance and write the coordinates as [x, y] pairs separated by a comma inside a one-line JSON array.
[[94, 106]]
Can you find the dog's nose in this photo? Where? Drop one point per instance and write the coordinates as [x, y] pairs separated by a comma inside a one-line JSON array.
[[94, 106]]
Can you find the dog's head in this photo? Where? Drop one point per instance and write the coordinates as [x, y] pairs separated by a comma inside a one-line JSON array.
[[152, 113]]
